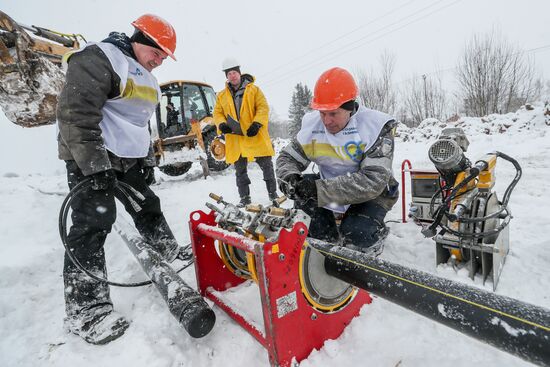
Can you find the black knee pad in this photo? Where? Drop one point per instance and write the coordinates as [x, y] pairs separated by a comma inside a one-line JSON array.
[[362, 231]]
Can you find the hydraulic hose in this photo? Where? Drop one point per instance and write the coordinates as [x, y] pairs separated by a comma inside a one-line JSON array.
[[474, 172], [122, 189], [184, 303]]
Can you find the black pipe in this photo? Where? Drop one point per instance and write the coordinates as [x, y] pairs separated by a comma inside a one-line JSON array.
[[185, 304], [513, 326]]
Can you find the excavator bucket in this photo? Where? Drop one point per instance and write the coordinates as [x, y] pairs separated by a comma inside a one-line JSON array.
[[30, 74]]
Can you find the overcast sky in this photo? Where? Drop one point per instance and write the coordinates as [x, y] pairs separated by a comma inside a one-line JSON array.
[[285, 42]]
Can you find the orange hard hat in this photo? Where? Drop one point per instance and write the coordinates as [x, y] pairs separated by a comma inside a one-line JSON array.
[[159, 31], [333, 88]]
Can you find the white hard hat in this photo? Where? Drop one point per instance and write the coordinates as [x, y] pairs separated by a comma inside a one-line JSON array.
[[230, 63]]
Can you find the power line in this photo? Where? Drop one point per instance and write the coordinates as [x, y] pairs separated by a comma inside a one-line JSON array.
[[343, 49], [307, 64], [336, 39], [535, 50]]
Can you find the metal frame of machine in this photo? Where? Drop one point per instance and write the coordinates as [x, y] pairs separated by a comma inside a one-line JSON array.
[[459, 200], [485, 257], [278, 267]]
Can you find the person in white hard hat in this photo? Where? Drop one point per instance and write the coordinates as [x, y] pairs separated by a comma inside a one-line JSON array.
[[241, 113]]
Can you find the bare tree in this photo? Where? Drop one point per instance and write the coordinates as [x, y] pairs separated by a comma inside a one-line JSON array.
[[376, 90], [494, 76], [424, 97]]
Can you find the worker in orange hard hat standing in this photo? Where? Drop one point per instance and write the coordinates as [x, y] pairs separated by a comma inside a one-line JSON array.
[[353, 148], [103, 115]]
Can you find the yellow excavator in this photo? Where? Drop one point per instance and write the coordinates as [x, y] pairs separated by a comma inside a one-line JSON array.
[[30, 73], [31, 78]]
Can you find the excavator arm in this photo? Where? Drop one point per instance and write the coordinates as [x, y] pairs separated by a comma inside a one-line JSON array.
[[31, 77]]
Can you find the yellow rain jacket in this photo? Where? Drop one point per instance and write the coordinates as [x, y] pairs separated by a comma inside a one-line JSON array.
[[253, 108]]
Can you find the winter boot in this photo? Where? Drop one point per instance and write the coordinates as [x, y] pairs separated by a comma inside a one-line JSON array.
[[245, 200], [99, 325]]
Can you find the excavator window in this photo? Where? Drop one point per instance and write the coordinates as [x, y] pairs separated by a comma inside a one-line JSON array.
[[210, 96], [180, 104], [171, 121], [193, 104]]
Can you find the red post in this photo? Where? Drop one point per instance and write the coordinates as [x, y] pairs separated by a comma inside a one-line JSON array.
[[403, 192]]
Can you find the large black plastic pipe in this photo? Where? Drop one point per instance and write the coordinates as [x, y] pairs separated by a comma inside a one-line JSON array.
[[508, 324], [185, 304]]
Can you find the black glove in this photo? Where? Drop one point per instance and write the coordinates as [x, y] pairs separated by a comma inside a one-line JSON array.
[[104, 180], [253, 129], [306, 189], [288, 185], [224, 128], [149, 175]]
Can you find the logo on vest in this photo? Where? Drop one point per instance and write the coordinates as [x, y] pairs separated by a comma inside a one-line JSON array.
[[349, 130], [354, 151], [137, 72]]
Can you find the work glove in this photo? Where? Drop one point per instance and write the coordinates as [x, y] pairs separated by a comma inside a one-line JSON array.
[[104, 180], [288, 185], [306, 189], [253, 129], [149, 175], [224, 128]]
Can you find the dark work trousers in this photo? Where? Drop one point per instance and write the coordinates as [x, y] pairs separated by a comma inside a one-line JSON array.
[[93, 214], [243, 181], [362, 224]]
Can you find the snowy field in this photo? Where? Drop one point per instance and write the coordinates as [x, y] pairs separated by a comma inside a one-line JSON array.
[[33, 186]]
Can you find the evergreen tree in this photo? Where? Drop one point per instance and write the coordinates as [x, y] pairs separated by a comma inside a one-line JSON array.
[[299, 106]]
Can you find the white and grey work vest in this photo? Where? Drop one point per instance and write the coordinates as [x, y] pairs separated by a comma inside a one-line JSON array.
[[341, 153], [124, 127]]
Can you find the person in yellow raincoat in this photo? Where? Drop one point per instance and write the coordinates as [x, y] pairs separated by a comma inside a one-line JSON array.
[[241, 113]]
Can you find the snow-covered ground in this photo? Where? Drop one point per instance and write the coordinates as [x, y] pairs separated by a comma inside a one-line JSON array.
[[31, 289]]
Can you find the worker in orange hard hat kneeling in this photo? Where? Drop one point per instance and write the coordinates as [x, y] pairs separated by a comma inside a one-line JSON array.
[[103, 118], [353, 148]]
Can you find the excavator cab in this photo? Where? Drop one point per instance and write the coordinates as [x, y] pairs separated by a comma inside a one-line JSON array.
[[183, 102], [184, 131]]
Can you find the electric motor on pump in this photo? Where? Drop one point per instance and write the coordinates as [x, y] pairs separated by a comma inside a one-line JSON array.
[[241, 113], [103, 114], [353, 149]]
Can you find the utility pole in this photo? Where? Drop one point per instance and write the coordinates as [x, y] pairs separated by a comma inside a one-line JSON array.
[[425, 97]]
